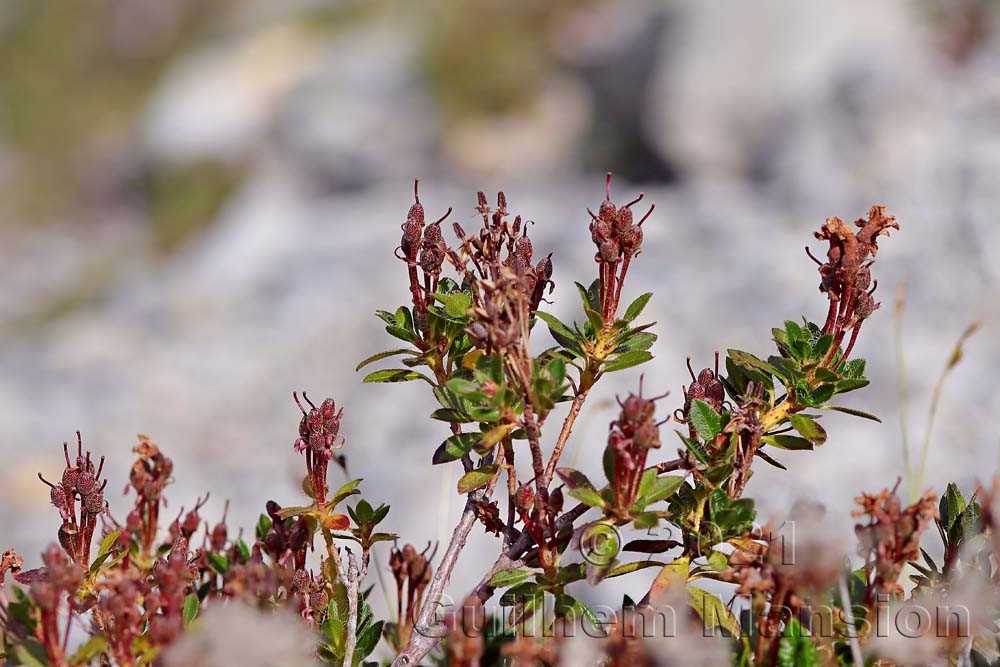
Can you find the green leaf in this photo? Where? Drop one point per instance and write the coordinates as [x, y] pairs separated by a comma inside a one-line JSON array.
[[809, 429], [850, 384], [580, 487], [626, 360], [386, 316], [853, 369], [574, 610], [31, 654], [476, 478], [108, 542], [218, 562], [629, 568], [455, 305], [713, 612], [263, 525], [455, 447], [383, 355], [403, 318], [822, 346], [792, 442], [663, 487], [561, 333], [396, 375], [636, 340], [706, 421], [795, 648], [793, 332], [695, 447], [747, 360], [951, 506], [505, 578], [590, 296], [851, 411], [635, 308], [366, 642], [402, 334], [595, 318], [89, 651], [190, 610], [348, 489], [768, 459]]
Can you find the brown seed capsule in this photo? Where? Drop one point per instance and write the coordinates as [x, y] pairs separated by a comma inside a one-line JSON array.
[[275, 542], [300, 581], [556, 500], [58, 496], [866, 306], [609, 251]]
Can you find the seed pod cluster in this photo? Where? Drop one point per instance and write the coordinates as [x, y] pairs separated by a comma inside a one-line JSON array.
[[632, 435], [618, 239], [79, 497], [508, 285], [845, 276], [706, 386], [319, 429], [424, 247]]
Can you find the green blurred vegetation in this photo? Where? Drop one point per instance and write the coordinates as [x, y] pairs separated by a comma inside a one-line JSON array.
[[67, 86], [485, 57]]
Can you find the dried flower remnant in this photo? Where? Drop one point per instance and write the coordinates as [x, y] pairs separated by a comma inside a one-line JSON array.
[[149, 476], [890, 538], [846, 275], [411, 570], [507, 288], [465, 626]]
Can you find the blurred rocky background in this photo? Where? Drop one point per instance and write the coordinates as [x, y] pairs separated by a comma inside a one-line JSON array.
[[199, 203]]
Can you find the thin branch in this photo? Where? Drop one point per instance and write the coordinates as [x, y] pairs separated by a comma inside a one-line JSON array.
[[567, 428]]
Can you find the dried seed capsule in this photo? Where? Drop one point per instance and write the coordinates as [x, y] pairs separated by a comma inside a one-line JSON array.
[[94, 502], [300, 581], [58, 497], [67, 532], [320, 599], [609, 251], [274, 541], [556, 500], [219, 536], [298, 536], [864, 279], [866, 306], [69, 478], [86, 482]]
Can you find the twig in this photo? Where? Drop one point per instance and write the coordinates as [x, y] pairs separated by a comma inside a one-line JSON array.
[[567, 428], [852, 630], [956, 357]]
